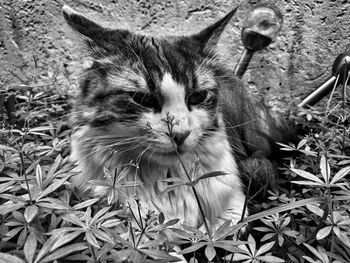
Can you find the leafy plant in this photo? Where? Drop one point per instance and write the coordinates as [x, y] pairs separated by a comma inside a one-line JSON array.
[[305, 219]]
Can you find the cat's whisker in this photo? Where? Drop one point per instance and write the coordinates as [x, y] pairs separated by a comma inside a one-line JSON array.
[[227, 124], [210, 134], [118, 152], [96, 147], [139, 157], [150, 157], [114, 141]]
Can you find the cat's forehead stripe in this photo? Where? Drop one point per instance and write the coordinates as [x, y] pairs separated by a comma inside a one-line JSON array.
[[171, 91], [128, 81]]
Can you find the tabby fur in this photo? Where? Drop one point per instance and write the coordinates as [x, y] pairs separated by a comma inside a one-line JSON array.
[[158, 110]]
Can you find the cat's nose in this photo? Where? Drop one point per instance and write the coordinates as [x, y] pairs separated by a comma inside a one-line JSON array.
[[180, 137]]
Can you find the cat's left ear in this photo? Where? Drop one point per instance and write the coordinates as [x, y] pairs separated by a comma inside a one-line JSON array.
[[209, 37]]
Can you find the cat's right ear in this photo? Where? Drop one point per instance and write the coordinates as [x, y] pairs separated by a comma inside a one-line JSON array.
[[99, 40], [209, 37]]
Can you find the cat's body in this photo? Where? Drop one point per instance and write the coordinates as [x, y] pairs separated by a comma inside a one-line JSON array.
[[158, 109]]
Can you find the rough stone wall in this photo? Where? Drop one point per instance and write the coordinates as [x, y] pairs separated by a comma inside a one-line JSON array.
[[35, 41]]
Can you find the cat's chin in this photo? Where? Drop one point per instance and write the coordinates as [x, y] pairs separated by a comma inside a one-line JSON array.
[[166, 158]]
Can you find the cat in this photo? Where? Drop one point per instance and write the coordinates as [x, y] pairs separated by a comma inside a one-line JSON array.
[[162, 110]]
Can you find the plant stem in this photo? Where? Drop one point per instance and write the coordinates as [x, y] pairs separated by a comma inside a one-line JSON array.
[[169, 121], [132, 235], [194, 190], [344, 100], [141, 234], [134, 216], [246, 199], [92, 251], [23, 173]]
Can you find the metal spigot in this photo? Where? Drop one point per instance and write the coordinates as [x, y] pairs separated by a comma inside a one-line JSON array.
[[340, 70]]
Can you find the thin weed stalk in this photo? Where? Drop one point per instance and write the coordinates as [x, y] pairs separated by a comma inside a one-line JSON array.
[[344, 102], [170, 124]]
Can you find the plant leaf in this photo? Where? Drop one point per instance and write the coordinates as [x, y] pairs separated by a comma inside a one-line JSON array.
[[315, 209], [192, 248], [13, 198], [8, 208], [283, 208], [85, 203], [192, 230], [73, 219], [251, 244], [325, 169], [314, 251], [270, 259], [228, 247], [342, 236], [107, 215], [307, 183], [111, 223], [52, 187], [160, 255], [30, 247], [268, 236], [51, 174], [264, 248], [99, 214], [7, 258], [237, 257], [340, 174], [208, 175], [324, 232], [310, 259], [30, 212], [302, 143], [13, 232], [6, 186], [102, 235], [307, 175], [221, 232], [46, 248], [64, 251], [64, 239], [91, 239], [7, 148], [52, 203], [39, 175], [210, 252]]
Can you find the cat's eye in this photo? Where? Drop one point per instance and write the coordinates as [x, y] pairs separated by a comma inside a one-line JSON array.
[[144, 99], [197, 97]]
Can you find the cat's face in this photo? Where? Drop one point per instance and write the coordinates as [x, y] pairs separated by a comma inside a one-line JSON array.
[[154, 97]]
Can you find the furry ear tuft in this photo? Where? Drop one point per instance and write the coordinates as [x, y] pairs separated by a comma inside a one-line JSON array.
[[209, 37]]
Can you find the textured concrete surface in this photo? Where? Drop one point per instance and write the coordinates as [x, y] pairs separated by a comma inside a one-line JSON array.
[[36, 42]]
